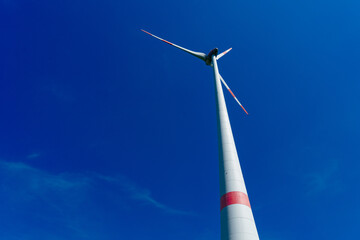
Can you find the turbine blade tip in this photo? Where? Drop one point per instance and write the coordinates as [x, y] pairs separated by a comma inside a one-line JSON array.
[[244, 110]]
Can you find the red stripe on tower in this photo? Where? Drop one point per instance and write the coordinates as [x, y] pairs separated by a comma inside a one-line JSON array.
[[234, 198]]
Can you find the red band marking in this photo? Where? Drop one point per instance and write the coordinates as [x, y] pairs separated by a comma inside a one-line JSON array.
[[231, 93], [167, 42], [234, 198], [244, 109], [146, 32]]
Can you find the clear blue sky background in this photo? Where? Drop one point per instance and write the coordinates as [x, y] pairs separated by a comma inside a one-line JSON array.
[[107, 133]]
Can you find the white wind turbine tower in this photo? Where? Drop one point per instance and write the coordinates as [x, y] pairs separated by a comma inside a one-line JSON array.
[[237, 221]]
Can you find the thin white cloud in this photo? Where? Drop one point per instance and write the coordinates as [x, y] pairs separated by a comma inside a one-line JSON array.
[[34, 183], [141, 194], [37, 180], [70, 201], [33, 155], [323, 179]]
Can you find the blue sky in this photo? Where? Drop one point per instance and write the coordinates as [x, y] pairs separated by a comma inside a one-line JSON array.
[[107, 133]]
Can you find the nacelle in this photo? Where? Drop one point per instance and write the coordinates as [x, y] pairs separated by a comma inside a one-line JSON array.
[[209, 56]]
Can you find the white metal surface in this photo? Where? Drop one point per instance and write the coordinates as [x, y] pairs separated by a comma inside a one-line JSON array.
[[227, 87], [222, 54], [196, 54], [237, 221]]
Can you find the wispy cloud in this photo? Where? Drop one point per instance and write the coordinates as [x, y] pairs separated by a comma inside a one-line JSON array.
[[323, 179], [69, 201], [35, 182], [33, 155], [141, 194]]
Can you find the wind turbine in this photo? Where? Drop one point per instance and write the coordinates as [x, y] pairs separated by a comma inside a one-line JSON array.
[[237, 220]]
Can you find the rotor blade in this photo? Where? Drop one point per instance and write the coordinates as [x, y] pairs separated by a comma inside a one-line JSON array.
[[223, 81], [196, 54], [222, 54]]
